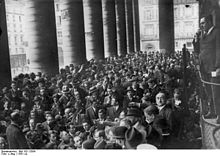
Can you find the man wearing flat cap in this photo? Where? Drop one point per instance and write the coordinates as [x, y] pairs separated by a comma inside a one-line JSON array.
[[15, 136]]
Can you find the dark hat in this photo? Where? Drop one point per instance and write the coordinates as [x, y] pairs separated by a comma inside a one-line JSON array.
[[69, 76], [39, 74], [119, 132], [134, 112], [152, 80], [39, 126], [15, 116], [89, 144], [5, 90], [129, 89], [75, 81], [65, 89], [93, 90], [100, 144], [37, 98], [133, 138], [113, 146], [102, 111]]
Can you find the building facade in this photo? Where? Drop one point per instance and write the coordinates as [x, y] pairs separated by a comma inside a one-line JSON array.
[[186, 15], [58, 12], [17, 46]]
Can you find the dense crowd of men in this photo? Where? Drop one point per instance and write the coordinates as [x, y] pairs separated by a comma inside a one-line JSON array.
[[127, 102]]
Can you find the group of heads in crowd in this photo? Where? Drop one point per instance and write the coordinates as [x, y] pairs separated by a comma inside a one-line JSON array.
[[126, 102]]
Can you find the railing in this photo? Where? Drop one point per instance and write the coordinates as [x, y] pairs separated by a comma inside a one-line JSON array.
[[210, 130]]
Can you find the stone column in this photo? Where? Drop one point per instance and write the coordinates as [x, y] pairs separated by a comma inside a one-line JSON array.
[[136, 25], [129, 26], [121, 27], [5, 68], [109, 28], [74, 51], [166, 25], [41, 36], [93, 29]]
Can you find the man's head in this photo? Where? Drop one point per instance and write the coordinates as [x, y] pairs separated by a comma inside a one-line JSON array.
[[161, 99], [2, 143], [206, 23], [102, 114], [86, 126], [53, 136], [99, 135], [150, 113], [64, 136], [77, 142], [16, 117]]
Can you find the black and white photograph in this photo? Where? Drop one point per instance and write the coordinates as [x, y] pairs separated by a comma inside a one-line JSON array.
[[109, 75]]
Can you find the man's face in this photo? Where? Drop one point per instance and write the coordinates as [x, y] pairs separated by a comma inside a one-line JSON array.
[[13, 86], [132, 119], [160, 99], [101, 115], [2, 143], [86, 126], [65, 136], [72, 129], [49, 119], [53, 137], [32, 123], [205, 25], [78, 142]]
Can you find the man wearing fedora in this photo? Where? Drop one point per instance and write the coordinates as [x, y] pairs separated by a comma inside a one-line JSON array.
[[153, 137], [118, 133], [133, 138]]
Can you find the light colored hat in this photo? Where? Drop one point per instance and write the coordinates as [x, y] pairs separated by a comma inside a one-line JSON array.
[[146, 146]]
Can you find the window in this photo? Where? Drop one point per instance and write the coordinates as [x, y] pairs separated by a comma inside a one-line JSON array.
[[60, 34], [57, 7], [176, 44], [175, 13], [149, 30], [19, 18], [148, 15], [21, 38], [189, 44], [16, 40]]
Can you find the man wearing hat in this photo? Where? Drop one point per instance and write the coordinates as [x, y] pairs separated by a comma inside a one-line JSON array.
[[115, 110], [133, 138], [152, 135], [64, 99], [135, 116], [129, 98], [99, 136], [15, 137], [118, 133], [92, 111]]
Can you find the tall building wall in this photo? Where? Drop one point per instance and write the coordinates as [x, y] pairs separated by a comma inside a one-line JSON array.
[[186, 17], [17, 45]]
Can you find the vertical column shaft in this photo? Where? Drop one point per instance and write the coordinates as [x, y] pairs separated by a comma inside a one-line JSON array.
[[109, 27], [129, 26], [93, 29], [5, 69], [166, 25], [136, 25], [41, 36], [74, 51], [121, 27]]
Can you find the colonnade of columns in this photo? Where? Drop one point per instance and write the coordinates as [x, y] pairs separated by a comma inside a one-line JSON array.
[[92, 29]]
